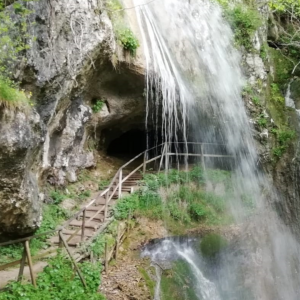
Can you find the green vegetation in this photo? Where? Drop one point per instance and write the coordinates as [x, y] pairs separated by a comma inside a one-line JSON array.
[[178, 283], [251, 94], [57, 196], [180, 198], [53, 215], [128, 40], [244, 20], [276, 94], [103, 184], [262, 121], [285, 6], [149, 281], [13, 33], [98, 244], [59, 281], [97, 106], [283, 137], [14, 39], [10, 96], [212, 244], [123, 33]]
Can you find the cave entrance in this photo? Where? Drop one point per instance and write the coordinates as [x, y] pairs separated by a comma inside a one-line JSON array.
[[128, 144]]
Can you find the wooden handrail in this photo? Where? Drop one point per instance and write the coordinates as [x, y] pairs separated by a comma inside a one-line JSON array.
[[60, 228]]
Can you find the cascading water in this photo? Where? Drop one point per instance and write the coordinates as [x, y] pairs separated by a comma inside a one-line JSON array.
[[194, 87], [170, 250]]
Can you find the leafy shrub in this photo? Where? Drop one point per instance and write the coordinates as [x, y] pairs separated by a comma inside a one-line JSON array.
[[128, 40], [197, 211], [123, 34], [125, 206], [245, 21], [97, 106], [285, 6]]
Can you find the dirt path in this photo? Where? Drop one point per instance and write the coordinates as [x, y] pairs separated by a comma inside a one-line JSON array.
[[125, 280]]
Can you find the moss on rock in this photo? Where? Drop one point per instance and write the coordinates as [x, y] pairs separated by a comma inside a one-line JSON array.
[[212, 244]]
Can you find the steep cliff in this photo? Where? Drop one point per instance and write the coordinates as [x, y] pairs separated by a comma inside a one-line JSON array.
[[73, 64]]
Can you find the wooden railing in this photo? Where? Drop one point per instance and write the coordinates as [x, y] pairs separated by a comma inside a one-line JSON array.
[[108, 194]]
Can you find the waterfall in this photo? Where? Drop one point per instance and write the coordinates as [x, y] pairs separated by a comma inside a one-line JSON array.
[[289, 102], [168, 251], [194, 85]]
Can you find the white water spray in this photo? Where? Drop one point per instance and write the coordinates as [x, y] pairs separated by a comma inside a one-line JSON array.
[[166, 252], [194, 87]]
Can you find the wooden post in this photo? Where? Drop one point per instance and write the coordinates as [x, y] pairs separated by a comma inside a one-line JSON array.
[[120, 184], [128, 225], [60, 243], [22, 265], [106, 205], [27, 249], [144, 163], [166, 157], [117, 242], [162, 158], [106, 258], [202, 158], [83, 225], [72, 260], [92, 257]]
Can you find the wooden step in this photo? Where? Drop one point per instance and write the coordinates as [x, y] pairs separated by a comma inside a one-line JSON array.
[[124, 188], [87, 232], [92, 224], [102, 202], [98, 217], [75, 241], [94, 209]]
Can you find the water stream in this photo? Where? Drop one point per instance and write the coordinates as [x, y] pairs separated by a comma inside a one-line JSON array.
[[194, 87]]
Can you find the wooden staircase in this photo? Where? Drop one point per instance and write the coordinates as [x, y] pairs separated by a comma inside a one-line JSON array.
[[89, 221]]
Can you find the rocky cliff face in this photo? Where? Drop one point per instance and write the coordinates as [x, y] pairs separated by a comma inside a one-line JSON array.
[[68, 68], [269, 76], [20, 141]]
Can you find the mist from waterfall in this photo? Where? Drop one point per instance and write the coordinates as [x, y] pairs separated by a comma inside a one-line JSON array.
[[194, 87]]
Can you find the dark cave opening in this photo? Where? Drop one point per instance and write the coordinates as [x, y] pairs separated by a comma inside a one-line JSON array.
[[128, 144]]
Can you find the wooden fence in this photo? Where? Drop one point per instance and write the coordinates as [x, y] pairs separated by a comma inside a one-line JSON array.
[[161, 153]]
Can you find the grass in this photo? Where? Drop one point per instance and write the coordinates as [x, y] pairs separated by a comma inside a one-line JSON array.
[[10, 96], [179, 198], [59, 281]]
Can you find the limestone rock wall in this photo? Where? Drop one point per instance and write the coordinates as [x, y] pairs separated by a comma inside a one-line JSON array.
[[67, 67]]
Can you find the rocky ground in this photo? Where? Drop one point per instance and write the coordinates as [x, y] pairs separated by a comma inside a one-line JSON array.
[[125, 279]]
